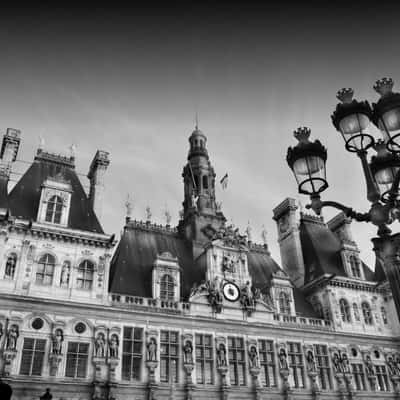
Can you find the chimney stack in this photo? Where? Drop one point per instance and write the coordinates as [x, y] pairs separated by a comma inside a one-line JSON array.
[[96, 174], [9, 150]]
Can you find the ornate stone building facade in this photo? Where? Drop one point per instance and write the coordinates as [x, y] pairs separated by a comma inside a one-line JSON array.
[[197, 311]]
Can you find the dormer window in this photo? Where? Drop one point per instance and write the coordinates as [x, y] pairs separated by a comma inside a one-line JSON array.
[[167, 287], [355, 267], [54, 210], [55, 201], [284, 303]]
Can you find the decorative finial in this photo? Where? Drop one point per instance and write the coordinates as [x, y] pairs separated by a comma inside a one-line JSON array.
[[302, 134], [345, 95], [381, 148], [129, 206], [41, 142], [148, 214], [197, 121], [264, 234], [248, 231], [168, 216], [72, 150], [384, 86]]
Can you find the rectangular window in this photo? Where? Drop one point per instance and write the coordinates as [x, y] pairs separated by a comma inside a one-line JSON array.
[[267, 363], [32, 357], [324, 371], [169, 356], [132, 348], [296, 365], [77, 360], [359, 376], [382, 381], [237, 361], [204, 359]]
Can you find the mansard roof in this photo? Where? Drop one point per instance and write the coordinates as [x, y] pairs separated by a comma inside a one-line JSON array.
[[25, 196], [132, 264], [321, 250], [3, 196]]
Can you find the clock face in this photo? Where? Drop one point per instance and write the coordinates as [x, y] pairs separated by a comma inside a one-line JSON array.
[[231, 291]]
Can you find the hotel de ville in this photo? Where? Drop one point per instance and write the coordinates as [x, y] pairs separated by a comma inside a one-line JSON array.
[[193, 311]]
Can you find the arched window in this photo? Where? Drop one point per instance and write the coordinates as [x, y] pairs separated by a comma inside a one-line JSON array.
[[54, 210], [384, 315], [356, 312], [319, 309], [167, 290], [84, 278], [205, 182], [284, 303], [366, 310], [10, 266], [45, 269], [345, 310], [355, 266]]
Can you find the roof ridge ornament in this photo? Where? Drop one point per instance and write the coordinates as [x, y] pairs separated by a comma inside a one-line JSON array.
[[345, 95], [384, 86], [302, 134]]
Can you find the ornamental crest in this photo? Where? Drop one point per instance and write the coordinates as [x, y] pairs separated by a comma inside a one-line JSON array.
[[230, 236]]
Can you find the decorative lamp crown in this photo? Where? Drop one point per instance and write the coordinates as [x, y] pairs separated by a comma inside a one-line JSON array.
[[345, 95], [302, 134], [384, 86], [381, 148]]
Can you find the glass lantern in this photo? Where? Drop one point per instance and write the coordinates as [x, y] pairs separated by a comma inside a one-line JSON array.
[[307, 161]]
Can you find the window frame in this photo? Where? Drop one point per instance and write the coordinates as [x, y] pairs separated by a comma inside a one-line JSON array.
[[367, 313], [322, 359], [294, 354], [202, 360], [54, 210], [44, 261], [236, 346], [167, 287], [284, 303], [35, 355], [169, 357], [79, 357], [267, 357], [85, 275], [345, 312], [135, 358]]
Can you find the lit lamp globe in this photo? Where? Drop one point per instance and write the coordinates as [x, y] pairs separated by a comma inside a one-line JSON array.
[[384, 167], [386, 114], [307, 161], [351, 118]]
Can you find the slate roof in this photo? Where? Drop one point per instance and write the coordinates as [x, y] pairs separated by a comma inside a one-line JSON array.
[[25, 196], [132, 264], [321, 252], [3, 194]]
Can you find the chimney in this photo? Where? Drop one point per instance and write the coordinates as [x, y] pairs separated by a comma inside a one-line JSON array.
[[96, 174], [9, 151]]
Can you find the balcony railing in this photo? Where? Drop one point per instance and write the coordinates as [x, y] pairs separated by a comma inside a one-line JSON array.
[[303, 322], [157, 305]]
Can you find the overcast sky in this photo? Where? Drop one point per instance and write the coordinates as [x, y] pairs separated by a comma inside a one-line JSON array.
[[130, 81]]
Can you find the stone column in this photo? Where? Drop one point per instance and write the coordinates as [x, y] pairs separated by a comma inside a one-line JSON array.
[[315, 391], [396, 385], [223, 370], [341, 385], [255, 372], [348, 377]]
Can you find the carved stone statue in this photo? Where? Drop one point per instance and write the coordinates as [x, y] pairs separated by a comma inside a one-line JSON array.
[[247, 298], [248, 232], [152, 350], [194, 199], [65, 272], [344, 361], [1, 330], [283, 364], [12, 337], [221, 355], [264, 235], [57, 340], [214, 295], [253, 357], [148, 213], [188, 352], [391, 366], [397, 363], [113, 346], [311, 364], [337, 367], [369, 367], [10, 266], [100, 345]]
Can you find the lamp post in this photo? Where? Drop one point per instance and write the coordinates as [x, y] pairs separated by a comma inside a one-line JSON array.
[[382, 171]]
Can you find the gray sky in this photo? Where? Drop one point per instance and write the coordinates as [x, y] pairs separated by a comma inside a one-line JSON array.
[[130, 81]]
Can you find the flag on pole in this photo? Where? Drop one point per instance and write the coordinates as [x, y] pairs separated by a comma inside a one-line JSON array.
[[224, 181]]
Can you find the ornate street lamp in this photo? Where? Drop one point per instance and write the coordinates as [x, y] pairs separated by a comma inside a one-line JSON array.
[[382, 174]]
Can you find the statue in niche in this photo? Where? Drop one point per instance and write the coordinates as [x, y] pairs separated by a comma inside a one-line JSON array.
[[253, 357], [311, 364], [397, 363], [12, 337], [392, 368], [337, 367], [221, 355], [283, 364], [10, 266], [247, 298], [344, 361], [369, 367], [152, 350], [194, 199], [1, 330], [65, 273], [214, 295], [113, 346], [100, 345], [188, 352], [229, 263], [57, 340]]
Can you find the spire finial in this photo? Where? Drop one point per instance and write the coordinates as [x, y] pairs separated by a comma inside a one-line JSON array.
[[129, 206], [148, 214], [264, 235], [197, 121]]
